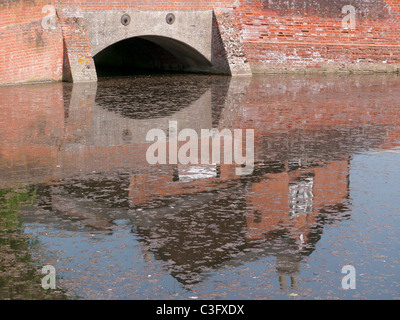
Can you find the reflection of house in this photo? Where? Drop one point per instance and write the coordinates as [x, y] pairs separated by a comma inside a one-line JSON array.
[[280, 212], [290, 203], [198, 225], [196, 218], [291, 200]]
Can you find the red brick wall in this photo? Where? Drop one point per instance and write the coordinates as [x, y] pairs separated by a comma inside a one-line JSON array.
[[27, 51], [288, 35], [278, 35], [148, 4]]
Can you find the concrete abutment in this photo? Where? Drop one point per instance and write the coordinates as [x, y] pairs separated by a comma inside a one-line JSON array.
[[193, 41]]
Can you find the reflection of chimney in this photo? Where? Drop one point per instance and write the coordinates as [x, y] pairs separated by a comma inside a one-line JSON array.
[[283, 284], [288, 264], [148, 258]]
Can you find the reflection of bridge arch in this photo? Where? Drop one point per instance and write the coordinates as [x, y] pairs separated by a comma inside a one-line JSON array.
[[127, 118], [110, 128]]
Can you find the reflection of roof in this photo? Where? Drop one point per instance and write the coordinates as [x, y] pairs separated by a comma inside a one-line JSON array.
[[198, 238], [194, 232]]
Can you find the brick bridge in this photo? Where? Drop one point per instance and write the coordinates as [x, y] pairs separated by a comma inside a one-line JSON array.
[[75, 40]]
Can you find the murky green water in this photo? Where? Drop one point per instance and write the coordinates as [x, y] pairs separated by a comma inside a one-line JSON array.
[[77, 193]]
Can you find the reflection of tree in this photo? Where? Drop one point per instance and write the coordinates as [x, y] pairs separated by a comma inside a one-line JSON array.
[[19, 278]]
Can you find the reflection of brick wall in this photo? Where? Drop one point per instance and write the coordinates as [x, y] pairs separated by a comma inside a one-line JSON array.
[[306, 108], [41, 122], [31, 135], [308, 103]]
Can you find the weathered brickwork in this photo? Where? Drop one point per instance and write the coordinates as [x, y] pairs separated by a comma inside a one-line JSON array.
[[78, 61], [258, 36], [229, 31], [27, 51], [305, 35]]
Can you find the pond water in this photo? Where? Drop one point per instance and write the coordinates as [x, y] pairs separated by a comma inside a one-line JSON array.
[[77, 191]]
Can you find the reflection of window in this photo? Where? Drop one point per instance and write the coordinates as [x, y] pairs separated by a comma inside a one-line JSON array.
[[301, 197], [190, 173]]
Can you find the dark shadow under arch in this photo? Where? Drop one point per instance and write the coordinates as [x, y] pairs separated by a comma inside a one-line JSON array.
[[149, 54]]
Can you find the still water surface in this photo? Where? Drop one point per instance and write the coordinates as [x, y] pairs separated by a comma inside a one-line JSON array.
[[76, 191]]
